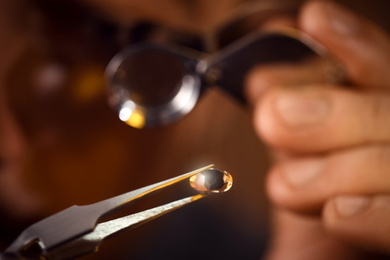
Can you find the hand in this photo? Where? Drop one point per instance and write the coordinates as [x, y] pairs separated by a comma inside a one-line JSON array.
[[332, 141]]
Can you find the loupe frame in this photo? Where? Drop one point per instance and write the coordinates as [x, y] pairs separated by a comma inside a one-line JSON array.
[[143, 116]]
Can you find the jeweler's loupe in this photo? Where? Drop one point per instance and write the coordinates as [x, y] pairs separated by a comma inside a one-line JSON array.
[[153, 85]]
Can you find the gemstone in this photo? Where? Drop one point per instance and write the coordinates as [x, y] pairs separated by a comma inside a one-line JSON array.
[[212, 180]]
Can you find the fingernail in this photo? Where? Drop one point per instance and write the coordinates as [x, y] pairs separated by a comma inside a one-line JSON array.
[[349, 206], [303, 172], [298, 110], [341, 20]]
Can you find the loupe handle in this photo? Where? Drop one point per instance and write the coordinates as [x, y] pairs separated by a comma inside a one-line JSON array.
[[228, 68]]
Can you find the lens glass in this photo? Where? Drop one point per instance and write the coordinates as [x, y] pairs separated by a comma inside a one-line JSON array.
[[151, 77]]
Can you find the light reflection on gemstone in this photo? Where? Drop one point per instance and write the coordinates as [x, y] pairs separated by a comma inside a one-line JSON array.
[[212, 180]]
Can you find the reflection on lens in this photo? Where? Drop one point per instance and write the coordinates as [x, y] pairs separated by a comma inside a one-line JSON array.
[[129, 114], [151, 86]]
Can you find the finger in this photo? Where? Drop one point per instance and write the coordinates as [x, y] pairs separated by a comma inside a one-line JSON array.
[[305, 184], [360, 45], [263, 77], [316, 119], [297, 237], [361, 221]]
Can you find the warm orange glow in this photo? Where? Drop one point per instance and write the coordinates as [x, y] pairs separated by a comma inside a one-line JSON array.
[[136, 119]]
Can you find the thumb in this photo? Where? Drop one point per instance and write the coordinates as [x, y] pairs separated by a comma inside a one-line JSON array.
[[361, 46]]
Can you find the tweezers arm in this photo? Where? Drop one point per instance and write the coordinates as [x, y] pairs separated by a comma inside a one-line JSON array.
[[90, 242], [77, 221]]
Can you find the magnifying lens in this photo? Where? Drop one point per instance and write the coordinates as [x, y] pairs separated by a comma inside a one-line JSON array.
[[153, 85]]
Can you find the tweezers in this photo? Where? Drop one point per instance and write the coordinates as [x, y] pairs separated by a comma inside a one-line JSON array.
[[76, 231]]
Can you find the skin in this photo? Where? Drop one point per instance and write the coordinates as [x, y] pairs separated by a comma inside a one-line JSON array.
[[329, 183]]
